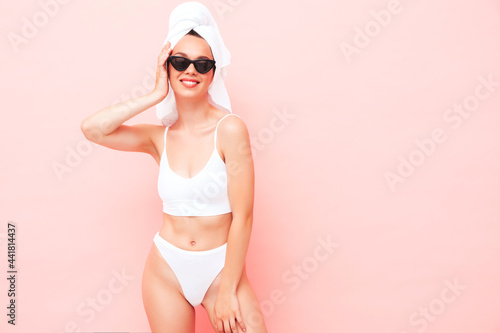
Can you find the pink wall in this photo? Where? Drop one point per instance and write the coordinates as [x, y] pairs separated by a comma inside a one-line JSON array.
[[376, 142]]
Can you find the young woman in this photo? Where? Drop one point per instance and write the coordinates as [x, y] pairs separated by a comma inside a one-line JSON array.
[[206, 182]]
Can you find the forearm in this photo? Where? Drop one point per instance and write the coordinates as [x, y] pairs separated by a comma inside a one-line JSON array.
[[108, 119], [237, 246]]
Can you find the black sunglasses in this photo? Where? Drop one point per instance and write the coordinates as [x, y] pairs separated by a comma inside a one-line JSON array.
[[181, 64]]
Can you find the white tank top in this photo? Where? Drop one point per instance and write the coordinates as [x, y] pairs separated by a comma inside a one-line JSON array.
[[205, 194]]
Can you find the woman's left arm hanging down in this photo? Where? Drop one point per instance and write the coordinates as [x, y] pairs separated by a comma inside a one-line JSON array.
[[240, 178]]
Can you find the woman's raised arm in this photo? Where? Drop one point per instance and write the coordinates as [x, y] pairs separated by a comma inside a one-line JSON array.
[[106, 128]]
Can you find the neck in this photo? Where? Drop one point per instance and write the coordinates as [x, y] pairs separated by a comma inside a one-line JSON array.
[[193, 112]]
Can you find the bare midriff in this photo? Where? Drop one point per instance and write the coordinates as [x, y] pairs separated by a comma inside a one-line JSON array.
[[196, 233]]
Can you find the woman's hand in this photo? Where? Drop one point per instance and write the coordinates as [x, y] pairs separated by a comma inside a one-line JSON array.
[[161, 84], [227, 313]]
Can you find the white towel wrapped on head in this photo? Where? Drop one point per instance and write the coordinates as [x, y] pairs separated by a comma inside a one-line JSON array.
[[194, 15]]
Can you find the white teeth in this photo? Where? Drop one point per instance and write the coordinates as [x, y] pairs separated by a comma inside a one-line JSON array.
[[189, 83]]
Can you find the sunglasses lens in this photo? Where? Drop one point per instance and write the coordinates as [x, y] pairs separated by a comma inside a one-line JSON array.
[[203, 66], [179, 64]]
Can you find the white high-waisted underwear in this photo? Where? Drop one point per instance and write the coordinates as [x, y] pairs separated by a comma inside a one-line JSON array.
[[195, 270]]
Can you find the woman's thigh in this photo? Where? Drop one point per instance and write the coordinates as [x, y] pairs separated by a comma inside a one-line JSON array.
[[166, 308], [249, 304]]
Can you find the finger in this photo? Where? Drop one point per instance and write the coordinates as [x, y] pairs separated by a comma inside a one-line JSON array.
[[163, 58], [165, 52], [240, 321], [166, 46], [162, 53], [232, 323], [227, 327], [217, 321], [220, 325], [169, 52]]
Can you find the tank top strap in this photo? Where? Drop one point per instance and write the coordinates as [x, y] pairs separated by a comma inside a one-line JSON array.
[[215, 134], [165, 140]]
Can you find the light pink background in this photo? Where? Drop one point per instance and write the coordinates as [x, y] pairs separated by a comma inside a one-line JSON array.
[[420, 256]]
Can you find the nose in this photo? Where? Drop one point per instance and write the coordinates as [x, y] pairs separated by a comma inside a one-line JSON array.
[[191, 69]]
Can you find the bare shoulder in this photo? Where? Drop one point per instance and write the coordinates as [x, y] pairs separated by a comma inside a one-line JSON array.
[[234, 136], [233, 127]]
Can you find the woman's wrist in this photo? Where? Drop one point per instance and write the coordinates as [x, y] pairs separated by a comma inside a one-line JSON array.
[[157, 96], [226, 287]]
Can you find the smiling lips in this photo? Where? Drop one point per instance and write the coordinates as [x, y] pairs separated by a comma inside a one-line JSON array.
[[189, 83]]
